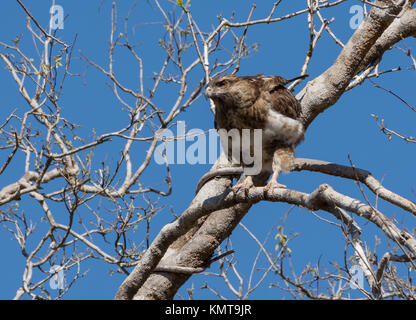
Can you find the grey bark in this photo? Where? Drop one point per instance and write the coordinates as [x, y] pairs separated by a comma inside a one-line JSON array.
[[177, 245]]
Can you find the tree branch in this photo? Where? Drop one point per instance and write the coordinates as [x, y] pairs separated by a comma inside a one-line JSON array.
[[325, 90], [356, 174], [323, 198]]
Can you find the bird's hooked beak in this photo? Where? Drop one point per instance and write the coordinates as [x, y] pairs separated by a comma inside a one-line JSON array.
[[208, 92]]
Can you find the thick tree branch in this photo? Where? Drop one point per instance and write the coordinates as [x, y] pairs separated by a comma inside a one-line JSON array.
[[319, 94], [400, 29], [329, 168], [325, 90], [323, 198]]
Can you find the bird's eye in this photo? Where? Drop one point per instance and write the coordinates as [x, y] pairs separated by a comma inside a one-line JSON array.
[[221, 83]]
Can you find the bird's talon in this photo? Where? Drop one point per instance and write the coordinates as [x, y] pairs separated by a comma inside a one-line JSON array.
[[245, 185], [273, 185]]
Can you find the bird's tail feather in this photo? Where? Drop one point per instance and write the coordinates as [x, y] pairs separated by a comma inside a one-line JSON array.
[[298, 78]]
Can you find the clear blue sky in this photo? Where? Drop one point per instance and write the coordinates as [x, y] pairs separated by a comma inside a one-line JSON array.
[[345, 129]]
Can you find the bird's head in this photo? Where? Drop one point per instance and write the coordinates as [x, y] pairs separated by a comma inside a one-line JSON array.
[[232, 91], [220, 86]]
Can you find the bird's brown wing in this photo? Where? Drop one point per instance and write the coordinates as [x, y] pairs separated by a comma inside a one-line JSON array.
[[282, 101], [280, 98]]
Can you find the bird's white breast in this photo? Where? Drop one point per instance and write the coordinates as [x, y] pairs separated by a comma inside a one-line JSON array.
[[282, 128]]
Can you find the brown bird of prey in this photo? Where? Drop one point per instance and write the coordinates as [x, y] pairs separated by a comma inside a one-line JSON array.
[[257, 102]]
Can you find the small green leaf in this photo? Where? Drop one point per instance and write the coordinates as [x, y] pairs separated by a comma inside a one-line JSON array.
[[180, 4]]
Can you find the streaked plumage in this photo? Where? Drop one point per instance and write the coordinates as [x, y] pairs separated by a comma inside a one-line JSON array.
[[259, 102]]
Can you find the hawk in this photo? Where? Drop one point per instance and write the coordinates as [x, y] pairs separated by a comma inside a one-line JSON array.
[[258, 102]]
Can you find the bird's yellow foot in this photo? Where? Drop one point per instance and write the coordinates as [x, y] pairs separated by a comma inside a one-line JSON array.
[[272, 185]]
